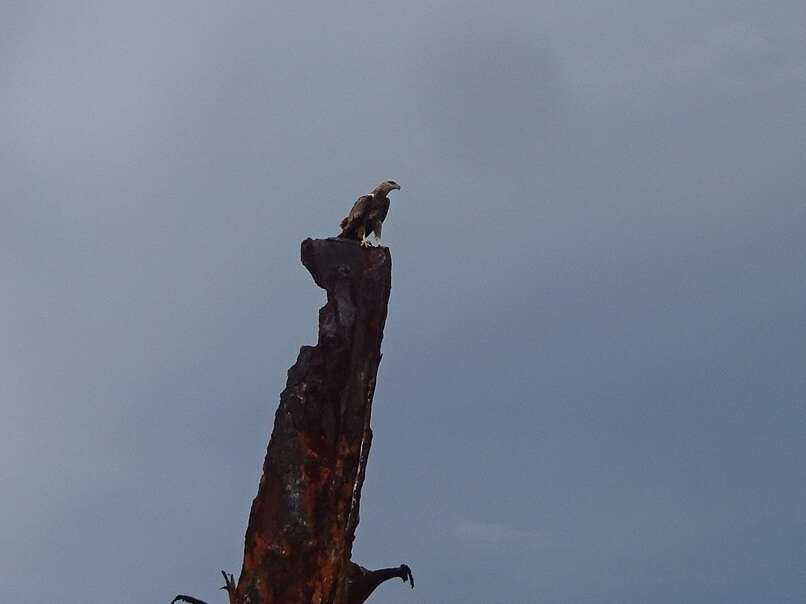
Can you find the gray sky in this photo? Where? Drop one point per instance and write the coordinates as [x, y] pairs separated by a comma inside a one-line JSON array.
[[595, 361]]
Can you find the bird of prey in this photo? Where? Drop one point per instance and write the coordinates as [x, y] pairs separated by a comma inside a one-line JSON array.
[[368, 214]]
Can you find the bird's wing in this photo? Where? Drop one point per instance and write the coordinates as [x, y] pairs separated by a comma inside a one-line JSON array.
[[382, 209], [360, 209], [188, 599]]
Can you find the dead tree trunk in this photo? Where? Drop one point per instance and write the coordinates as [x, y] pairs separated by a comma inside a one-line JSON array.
[[303, 519]]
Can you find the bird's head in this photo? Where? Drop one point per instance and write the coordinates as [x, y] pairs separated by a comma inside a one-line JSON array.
[[385, 187]]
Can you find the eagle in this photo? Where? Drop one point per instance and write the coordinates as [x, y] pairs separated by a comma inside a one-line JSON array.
[[368, 214]]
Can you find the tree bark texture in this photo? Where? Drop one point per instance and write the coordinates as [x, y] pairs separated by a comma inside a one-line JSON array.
[[303, 519]]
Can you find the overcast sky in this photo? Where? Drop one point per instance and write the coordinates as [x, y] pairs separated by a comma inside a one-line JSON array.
[[594, 378]]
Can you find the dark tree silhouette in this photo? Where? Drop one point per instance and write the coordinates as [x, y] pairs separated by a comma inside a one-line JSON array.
[[303, 520], [362, 582]]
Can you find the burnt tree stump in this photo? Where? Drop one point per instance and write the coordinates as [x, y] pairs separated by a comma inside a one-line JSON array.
[[303, 519]]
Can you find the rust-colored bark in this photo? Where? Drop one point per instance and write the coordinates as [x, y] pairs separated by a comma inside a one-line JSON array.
[[303, 519]]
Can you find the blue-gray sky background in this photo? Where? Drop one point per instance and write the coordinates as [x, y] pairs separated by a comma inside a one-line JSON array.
[[595, 361]]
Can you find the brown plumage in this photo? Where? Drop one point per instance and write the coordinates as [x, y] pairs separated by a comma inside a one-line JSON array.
[[368, 214]]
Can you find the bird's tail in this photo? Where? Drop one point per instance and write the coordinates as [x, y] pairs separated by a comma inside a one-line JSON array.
[[347, 232]]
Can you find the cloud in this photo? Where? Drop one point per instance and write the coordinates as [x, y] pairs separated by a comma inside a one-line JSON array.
[[494, 533], [487, 86], [729, 51], [725, 42]]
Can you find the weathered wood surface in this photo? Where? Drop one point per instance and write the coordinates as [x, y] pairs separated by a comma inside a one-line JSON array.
[[303, 519]]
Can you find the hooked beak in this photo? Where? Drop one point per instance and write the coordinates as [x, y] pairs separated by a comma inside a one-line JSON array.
[[396, 187]]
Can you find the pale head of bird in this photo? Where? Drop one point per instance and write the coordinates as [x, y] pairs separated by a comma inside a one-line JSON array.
[[385, 187]]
